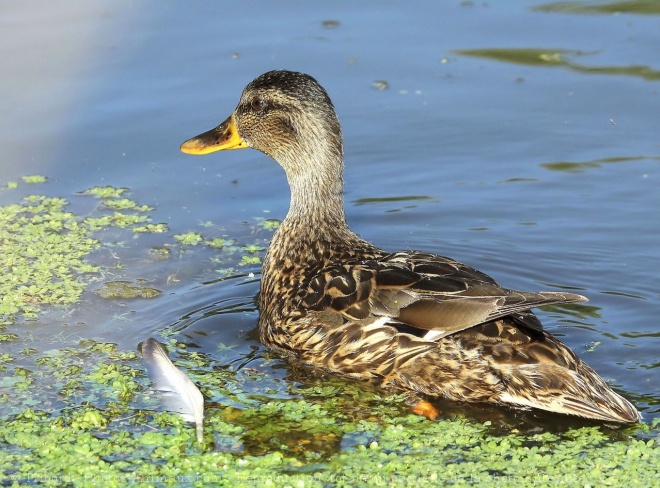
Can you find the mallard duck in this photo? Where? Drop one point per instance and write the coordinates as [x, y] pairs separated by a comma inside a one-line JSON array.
[[406, 321]]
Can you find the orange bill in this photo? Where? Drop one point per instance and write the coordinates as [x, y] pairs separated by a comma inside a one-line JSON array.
[[225, 136]]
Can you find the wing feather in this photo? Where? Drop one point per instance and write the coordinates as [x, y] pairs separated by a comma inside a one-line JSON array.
[[424, 291]]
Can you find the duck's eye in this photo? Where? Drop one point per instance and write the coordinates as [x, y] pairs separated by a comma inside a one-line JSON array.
[[258, 104]]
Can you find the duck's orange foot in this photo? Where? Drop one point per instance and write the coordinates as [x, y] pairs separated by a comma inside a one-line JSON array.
[[425, 409]]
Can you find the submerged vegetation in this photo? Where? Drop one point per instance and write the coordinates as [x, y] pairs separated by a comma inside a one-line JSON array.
[[81, 412], [42, 248], [337, 435]]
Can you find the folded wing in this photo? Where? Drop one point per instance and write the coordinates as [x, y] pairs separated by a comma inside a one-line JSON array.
[[428, 292]]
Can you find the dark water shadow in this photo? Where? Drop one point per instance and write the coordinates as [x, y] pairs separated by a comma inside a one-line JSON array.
[[641, 7], [555, 58], [579, 167]]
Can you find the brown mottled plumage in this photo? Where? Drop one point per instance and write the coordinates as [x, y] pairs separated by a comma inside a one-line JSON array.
[[407, 320]]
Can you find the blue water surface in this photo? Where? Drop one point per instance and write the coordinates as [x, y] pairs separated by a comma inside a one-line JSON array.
[[519, 137]]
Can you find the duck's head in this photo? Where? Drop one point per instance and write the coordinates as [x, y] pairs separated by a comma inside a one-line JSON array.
[[286, 115]]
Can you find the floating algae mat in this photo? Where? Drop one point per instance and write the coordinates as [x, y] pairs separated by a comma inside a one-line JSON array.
[[79, 411]]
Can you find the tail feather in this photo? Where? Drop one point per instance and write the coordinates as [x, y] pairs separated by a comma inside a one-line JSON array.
[[502, 363], [582, 393]]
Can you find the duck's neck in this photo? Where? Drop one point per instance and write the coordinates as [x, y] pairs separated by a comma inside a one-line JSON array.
[[315, 227], [317, 200], [314, 170]]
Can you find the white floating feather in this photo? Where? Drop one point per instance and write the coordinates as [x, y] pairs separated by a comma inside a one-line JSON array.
[[180, 395]]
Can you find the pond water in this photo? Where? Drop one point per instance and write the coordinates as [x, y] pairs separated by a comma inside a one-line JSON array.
[[519, 137]]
